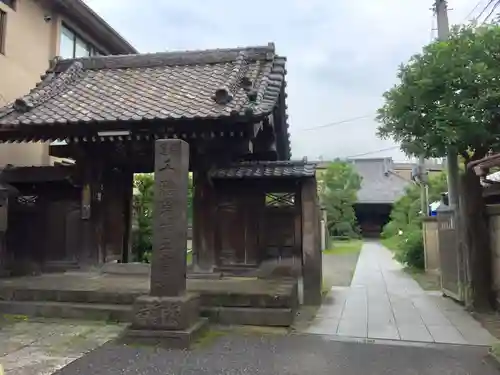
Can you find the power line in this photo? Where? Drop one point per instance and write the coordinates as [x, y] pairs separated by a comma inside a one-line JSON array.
[[491, 12], [484, 10], [337, 123], [373, 152], [472, 11]]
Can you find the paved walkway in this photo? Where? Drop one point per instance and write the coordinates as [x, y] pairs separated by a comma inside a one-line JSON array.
[[383, 302]]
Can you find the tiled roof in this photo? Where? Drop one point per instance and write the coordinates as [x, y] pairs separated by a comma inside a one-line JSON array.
[[380, 184], [209, 84], [268, 169]]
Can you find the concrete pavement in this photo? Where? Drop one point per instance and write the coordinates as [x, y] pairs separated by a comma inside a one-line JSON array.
[[383, 302]]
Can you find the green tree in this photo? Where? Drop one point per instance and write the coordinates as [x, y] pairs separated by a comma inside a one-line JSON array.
[[405, 214], [406, 217], [448, 96], [143, 214], [338, 189]]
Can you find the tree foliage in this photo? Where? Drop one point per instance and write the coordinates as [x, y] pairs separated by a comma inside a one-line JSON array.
[[405, 225], [339, 186], [448, 97], [143, 215], [405, 214]]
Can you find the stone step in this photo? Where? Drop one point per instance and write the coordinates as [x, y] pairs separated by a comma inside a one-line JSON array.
[[68, 296], [59, 266], [81, 311], [269, 317], [215, 298]]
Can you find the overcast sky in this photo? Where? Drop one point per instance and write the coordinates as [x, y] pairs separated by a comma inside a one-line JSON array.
[[342, 55]]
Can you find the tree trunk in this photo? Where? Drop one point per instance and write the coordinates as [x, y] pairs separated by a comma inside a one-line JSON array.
[[477, 242]]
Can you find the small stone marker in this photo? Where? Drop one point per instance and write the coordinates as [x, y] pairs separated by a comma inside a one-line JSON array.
[[168, 315]]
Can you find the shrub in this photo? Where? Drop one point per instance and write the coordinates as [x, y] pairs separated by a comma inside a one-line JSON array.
[[146, 258], [410, 251]]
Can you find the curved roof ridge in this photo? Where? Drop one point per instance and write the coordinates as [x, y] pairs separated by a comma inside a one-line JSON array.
[[170, 58]]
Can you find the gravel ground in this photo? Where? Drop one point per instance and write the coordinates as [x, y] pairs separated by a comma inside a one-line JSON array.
[[283, 355], [338, 269], [41, 346]]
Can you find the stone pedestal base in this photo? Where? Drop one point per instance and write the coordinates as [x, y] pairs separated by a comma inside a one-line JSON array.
[[167, 321]]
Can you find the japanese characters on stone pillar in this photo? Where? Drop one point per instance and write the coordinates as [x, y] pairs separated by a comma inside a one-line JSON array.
[[168, 315], [168, 265]]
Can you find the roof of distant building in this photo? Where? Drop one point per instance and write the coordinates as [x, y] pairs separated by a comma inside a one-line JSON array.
[[380, 184]]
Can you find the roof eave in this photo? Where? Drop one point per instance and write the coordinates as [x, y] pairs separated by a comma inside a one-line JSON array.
[[24, 132], [80, 10]]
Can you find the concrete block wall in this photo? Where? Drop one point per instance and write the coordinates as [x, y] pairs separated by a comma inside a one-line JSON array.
[[431, 244]]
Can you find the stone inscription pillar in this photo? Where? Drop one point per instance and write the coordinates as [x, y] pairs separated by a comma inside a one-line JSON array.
[[168, 264], [168, 315]]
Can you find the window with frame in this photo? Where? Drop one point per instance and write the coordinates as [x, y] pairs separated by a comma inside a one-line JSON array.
[[10, 3], [3, 29], [72, 46]]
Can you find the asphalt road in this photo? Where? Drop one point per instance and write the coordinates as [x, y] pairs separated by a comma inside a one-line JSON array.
[[284, 355]]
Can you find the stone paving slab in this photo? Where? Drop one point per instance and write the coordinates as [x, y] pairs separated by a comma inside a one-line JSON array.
[[42, 346], [383, 302]]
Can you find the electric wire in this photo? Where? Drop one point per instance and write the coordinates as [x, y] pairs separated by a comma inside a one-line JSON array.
[[335, 123], [373, 152], [484, 10], [472, 11], [491, 12]]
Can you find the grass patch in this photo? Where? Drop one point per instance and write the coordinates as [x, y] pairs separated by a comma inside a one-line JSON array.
[[208, 338], [391, 243], [344, 247], [495, 351], [13, 318], [427, 281]]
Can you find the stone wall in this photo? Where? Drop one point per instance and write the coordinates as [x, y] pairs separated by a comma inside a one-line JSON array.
[[431, 244]]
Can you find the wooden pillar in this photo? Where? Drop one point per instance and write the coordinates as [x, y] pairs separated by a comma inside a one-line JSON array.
[[92, 250], [116, 201], [311, 243], [127, 190], [204, 206], [253, 202], [3, 233]]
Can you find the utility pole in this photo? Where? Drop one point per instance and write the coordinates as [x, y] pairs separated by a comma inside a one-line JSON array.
[[441, 9], [463, 256], [424, 206]]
